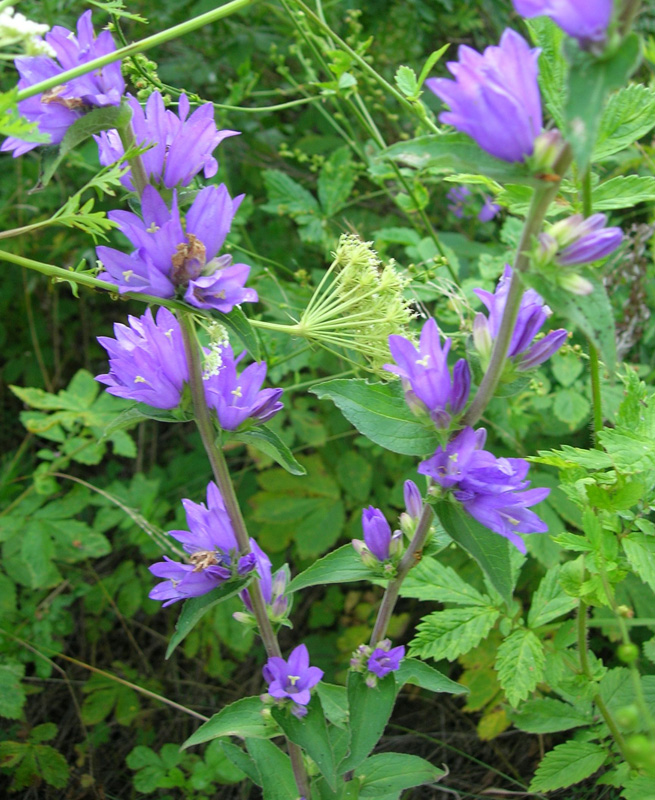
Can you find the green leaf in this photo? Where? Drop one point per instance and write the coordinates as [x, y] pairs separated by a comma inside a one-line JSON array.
[[455, 152], [370, 709], [196, 607], [549, 601], [640, 787], [520, 664], [286, 196], [449, 633], [241, 760], [311, 734], [334, 700], [418, 673], [389, 773], [100, 119], [13, 124], [429, 64], [12, 694], [379, 411], [406, 81], [567, 764], [571, 407], [623, 192], [640, 550], [489, 549], [242, 718], [547, 715], [628, 115], [591, 79], [432, 580], [275, 770], [552, 64], [239, 323], [339, 566], [336, 180], [592, 313], [52, 766], [266, 440]]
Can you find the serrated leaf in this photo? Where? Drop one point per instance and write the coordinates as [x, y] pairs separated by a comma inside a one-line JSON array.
[[547, 715], [432, 580], [265, 439], [13, 124], [286, 196], [628, 115], [390, 773], [640, 550], [418, 673], [489, 549], [623, 192], [406, 81], [379, 411], [339, 566], [448, 634], [242, 718], [568, 764], [549, 601], [370, 709], [520, 664], [571, 407], [195, 608], [336, 180]]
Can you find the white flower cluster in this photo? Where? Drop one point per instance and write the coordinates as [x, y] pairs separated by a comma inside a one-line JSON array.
[[16, 29], [218, 340]]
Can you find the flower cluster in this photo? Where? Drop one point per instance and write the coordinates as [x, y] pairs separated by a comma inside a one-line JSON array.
[[56, 110], [377, 662], [380, 546], [213, 553], [524, 352], [426, 377], [16, 29], [293, 679], [584, 20], [494, 491], [461, 203], [180, 145]]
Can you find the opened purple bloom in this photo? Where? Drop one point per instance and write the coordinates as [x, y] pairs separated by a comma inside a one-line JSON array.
[[237, 397], [533, 312], [382, 662], [495, 97], [182, 145], [494, 491], [146, 360], [585, 20], [212, 548], [56, 110], [292, 679], [426, 377], [172, 259]]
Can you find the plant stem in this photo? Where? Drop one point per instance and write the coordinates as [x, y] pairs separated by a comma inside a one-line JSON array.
[[136, 47], [226, 488], [137, 170], [408, 560], [594, 364]]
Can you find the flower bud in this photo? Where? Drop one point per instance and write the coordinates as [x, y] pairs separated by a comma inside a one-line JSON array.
[[548, 148], [413, 499], [575, 284], [482, 337]]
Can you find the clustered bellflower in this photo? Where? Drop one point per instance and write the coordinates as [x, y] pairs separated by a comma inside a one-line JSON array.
[[172, 259], [533, 312], [292, 679], [494, 491], [426, 377], [584, 20], [495, 97], [182, 145], [212, 548], [56, 110], [146, 360], [377, 662], [379, 543]]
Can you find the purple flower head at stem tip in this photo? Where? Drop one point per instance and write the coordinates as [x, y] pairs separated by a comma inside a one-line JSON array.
[[146, 360], [426, 377], [533, 312], [171, 259], [237, 397], [212, 548], [182, 145], [385, 659], [57, 109], [495, 97], [584, 20], [292, 679], [494, 491]]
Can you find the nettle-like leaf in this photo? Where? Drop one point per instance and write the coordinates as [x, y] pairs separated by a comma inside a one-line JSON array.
[[549, 601], [520, 664], [628, 115], [432, 580], [32, 762], [568, 764], [448, 634]]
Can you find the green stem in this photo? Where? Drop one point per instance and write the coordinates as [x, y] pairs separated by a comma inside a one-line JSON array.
[[408, 560], [137, 170], [136, 47], [594, 364], [226, 488]]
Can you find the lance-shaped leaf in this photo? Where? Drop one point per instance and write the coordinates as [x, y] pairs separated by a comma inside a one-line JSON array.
[[242, 718]]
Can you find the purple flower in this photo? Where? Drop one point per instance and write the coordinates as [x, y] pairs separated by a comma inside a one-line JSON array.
[[585, 20], [425, 375], [384, 660], [237, 397], [379, 543], [413, 499], [533, 312], [495, 97], [292, 679], [488, 210], [212, 548], [459, 197], [580, 241], [181, 147], [172, 259], [56, 110], [492, 490], [272, 586], [146, 360]]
